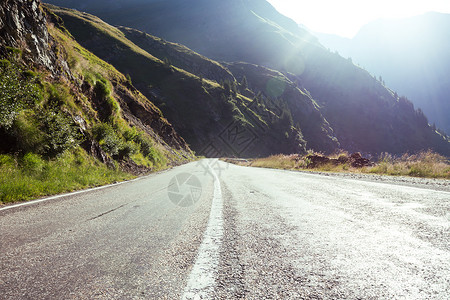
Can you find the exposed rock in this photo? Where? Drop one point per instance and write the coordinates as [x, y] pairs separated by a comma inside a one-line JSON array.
[[146, 115], [94, 149], [131, 167], [317, 160], [342, 159], [355, 160], [23, 26]]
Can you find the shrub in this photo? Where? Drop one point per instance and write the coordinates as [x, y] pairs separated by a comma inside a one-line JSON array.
[[127, 149], [145, 144], [32, 163], [7, 161], [17, 92], [156, 157], [113, 143], [102, 89], [110, 106], [127, 144], [108, 139], [60, 132], [27, 134], [130, 134], [55, 96]]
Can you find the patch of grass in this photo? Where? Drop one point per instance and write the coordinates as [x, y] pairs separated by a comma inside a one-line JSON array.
[[280, 161], [31, 176], [329, 167], [425, 164], [141, 160]]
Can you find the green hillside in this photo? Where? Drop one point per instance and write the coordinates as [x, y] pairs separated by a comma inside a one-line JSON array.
[[69, 120], [208, 107], [178, 55]]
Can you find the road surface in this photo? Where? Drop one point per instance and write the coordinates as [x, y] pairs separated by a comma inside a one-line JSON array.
[[211, 230]]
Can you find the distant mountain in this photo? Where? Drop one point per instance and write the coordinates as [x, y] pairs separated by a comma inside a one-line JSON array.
[[361, 112], [413, 57]]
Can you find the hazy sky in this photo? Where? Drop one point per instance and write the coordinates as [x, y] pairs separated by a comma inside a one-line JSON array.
[[345, 17]]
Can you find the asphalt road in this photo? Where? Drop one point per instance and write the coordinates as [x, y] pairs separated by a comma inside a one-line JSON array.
[[210, 230]]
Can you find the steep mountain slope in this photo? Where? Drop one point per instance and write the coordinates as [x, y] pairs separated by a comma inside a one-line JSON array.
[[277, 91], [56, 96], [413, 57], [221, 30], [271, 88], [178, 55], [364, 114], [215, 119]]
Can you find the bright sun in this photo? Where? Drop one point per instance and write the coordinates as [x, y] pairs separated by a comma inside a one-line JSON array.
[[346, 17]]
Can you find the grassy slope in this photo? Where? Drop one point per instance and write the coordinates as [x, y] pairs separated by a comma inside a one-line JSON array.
[[31, 176], [178, 55], [33, 171], [83, 64]]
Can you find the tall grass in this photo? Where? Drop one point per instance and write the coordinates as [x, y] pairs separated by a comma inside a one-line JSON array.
[[279, 161], [30, 176], [425, 164]]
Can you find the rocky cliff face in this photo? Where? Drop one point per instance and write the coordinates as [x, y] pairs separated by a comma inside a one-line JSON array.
[[23, 25]]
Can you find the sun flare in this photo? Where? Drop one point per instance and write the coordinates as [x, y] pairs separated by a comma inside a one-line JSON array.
[[346, 17]]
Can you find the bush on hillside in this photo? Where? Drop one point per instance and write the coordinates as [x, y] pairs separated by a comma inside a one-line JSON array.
[[18, 90], [108, 139], [60, 134]]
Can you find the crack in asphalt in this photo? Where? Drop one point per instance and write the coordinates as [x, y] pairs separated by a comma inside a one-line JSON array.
[[230, 280], [107, 212]]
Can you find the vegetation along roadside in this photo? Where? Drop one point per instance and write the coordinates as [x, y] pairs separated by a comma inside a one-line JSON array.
[[69, 120], [426, 164]]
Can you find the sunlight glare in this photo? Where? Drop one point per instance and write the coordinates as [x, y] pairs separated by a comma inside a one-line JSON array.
[[346, 17]]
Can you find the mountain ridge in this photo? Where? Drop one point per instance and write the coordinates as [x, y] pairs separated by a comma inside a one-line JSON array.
[[206, 119], [410, 54]]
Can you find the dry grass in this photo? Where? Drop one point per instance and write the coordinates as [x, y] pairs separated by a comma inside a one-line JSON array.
[[277, 161], [425, 164]]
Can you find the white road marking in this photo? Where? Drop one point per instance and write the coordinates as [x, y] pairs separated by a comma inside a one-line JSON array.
[[67, 194], [202, 278]]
